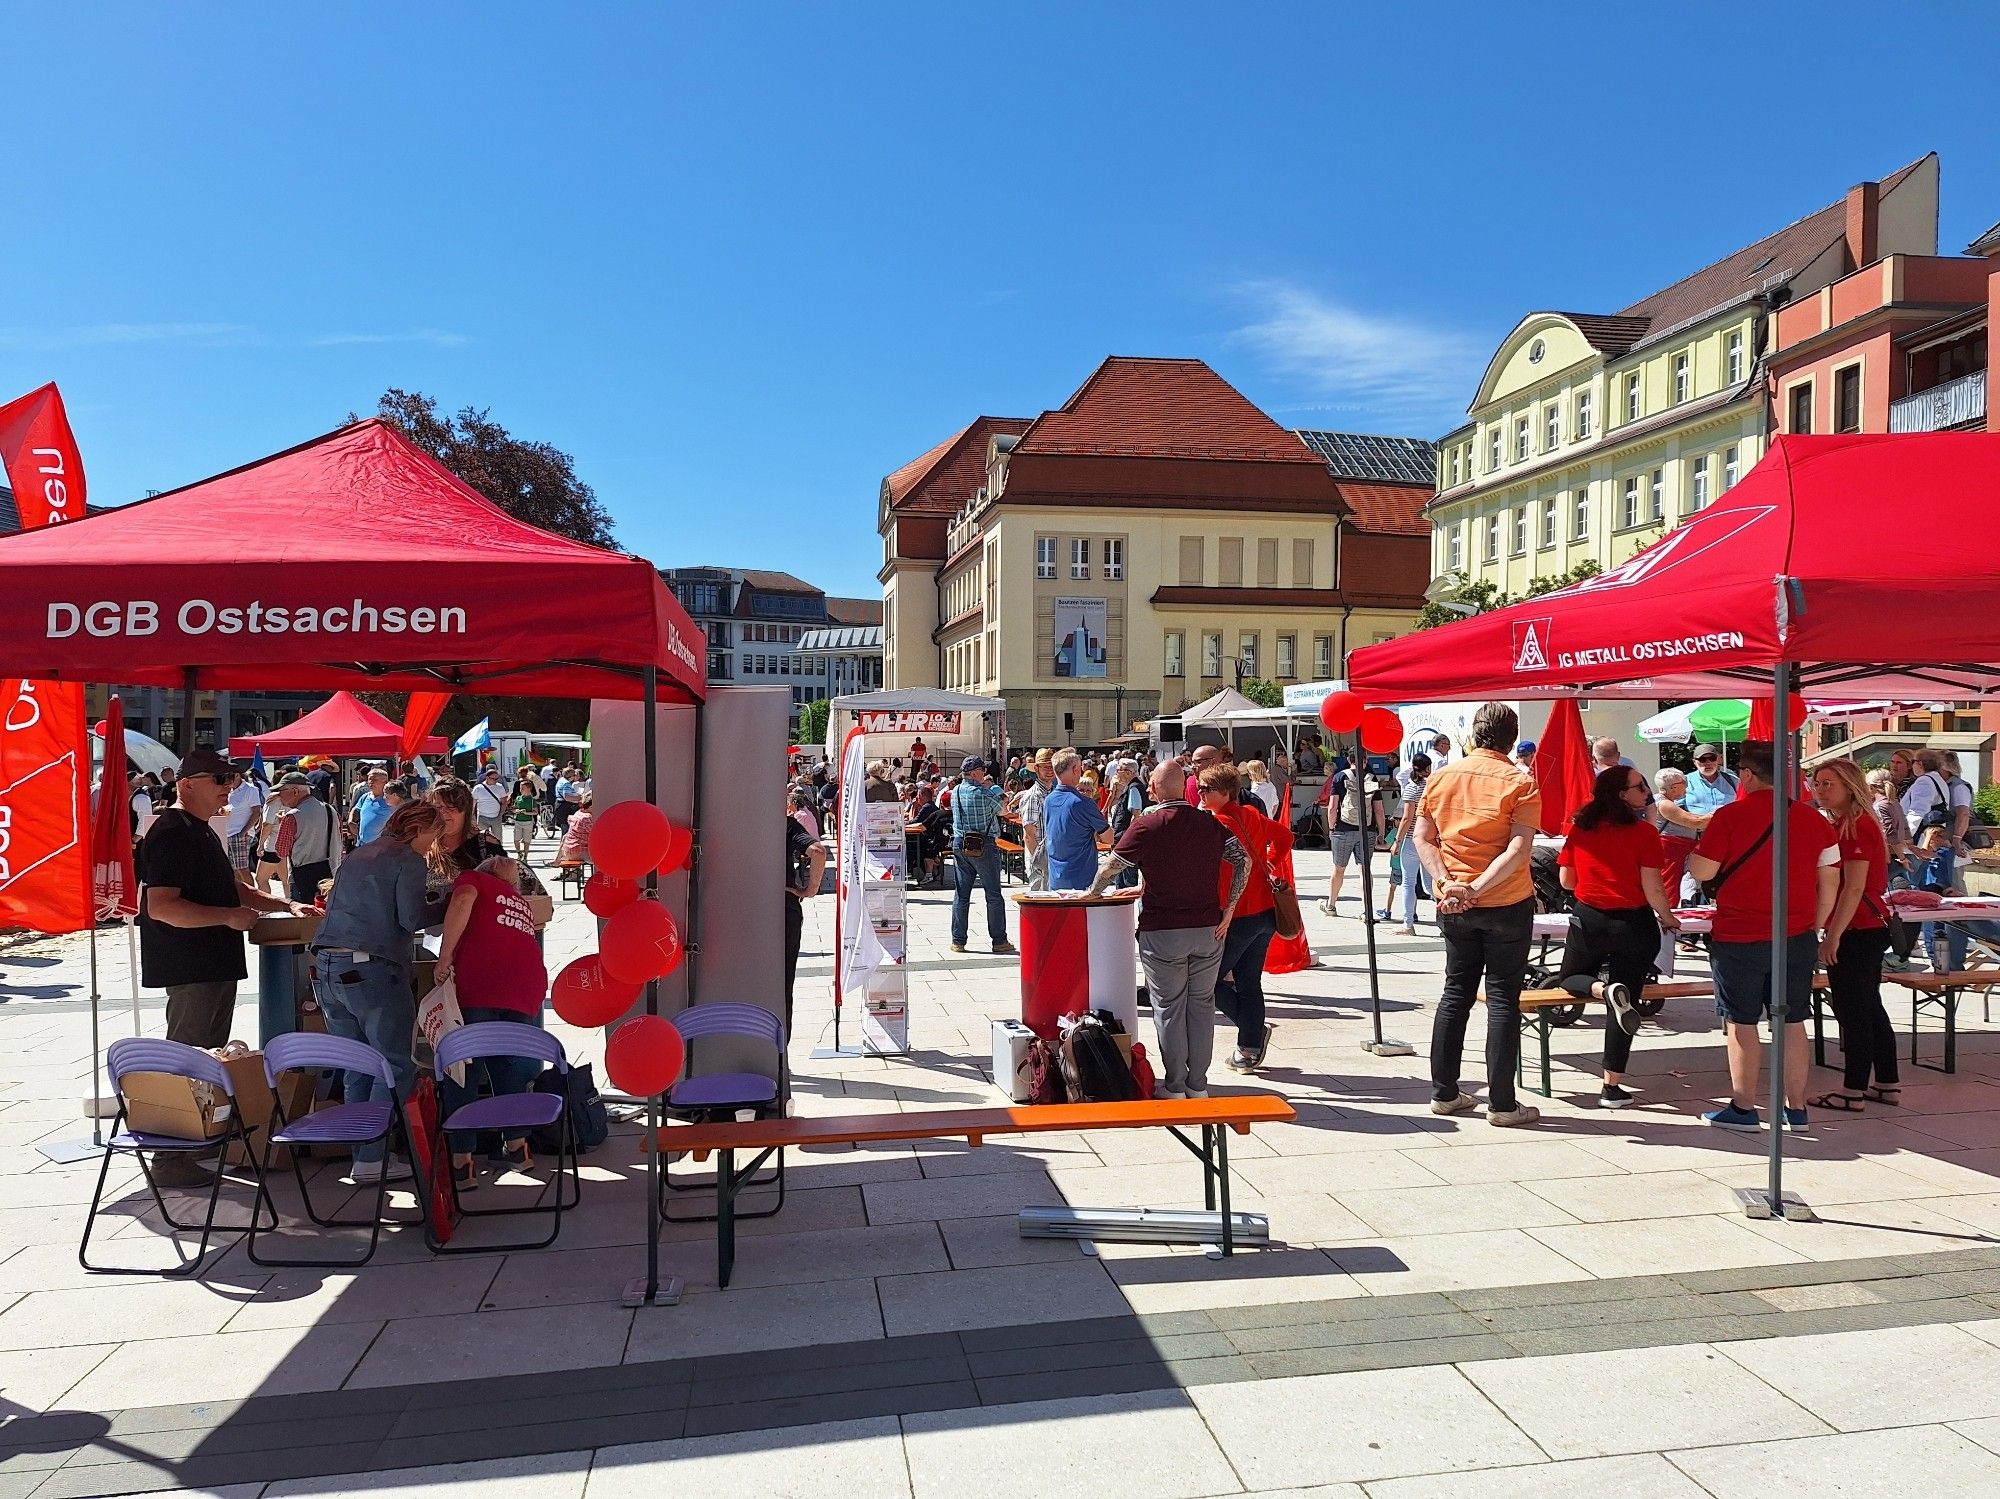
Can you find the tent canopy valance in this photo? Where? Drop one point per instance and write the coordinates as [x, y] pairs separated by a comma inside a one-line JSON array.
[[1784, 569], [342, 725], [353, 560]]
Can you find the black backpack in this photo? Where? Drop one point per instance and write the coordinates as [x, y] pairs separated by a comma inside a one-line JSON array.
[[589, 1120], [1093, 1066]]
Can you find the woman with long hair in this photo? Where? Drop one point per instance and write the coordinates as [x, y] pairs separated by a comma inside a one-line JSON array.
[[362, 959], [462, 844], [1239, 980], [1857, 935], [1612, 863]]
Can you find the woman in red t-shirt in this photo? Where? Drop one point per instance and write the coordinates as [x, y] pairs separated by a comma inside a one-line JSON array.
[[489, 948], [1239, 981], [1857, 934], [1612, 861]]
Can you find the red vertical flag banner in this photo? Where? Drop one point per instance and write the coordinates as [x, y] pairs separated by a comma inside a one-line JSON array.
[[45, 862], [113, 886], [419, 718]]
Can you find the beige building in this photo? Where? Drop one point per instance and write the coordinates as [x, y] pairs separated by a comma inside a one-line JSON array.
[[1591, 434], [1152, 540]]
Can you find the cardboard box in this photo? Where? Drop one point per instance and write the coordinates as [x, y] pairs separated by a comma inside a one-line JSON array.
[[542, 909], [160, 1104], [297, 1090], [285, 931]]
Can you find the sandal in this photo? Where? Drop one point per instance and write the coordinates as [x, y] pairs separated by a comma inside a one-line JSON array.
[[1839, 1103], [1889, 1094], [465, 1174]]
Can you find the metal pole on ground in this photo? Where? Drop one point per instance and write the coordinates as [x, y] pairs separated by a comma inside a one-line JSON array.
[[1377, 1045], [651, 1293]]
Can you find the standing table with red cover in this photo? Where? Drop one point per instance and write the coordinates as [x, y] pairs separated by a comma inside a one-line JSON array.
[[1078, 954]]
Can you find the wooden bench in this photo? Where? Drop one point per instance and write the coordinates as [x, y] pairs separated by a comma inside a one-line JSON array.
[[1013, 858], [1216, 1118], [1544, 1009], [1941, 991], [573, 872]]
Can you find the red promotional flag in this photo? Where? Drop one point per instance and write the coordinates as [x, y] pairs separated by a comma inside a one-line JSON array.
[[1563, 766], [419, 718], [45, 879], [113, 886], [1287, 955]]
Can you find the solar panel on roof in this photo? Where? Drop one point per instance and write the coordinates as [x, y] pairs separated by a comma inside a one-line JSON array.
[[1365, 457]]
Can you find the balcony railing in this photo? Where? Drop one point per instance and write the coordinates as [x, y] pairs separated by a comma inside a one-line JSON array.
[[1951, 404]]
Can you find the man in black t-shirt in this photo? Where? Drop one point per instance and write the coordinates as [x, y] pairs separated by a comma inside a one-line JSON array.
[[805, 861]]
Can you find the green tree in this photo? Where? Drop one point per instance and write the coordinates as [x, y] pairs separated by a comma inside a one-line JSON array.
[[812, 721], [1486, 595], [1264, 694]]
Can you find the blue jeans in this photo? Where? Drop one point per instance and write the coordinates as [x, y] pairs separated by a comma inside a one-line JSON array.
[[1936, 872], [1411, 881], [502, 1075], [1239, 982], [984, 870], [372, 1003]]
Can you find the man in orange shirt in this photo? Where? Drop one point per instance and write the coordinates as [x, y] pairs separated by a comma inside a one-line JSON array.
[[1475, 829]]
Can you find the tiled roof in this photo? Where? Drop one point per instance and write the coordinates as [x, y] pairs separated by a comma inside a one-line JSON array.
[[1986, 244], [854, 611], [942, 480], [1395, 509], [1374, 460], [1161, 408], [1731, 279], [1610, 336], [770, 582]]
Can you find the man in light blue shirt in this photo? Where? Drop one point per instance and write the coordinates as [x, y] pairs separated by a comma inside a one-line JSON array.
[[371, 808], [1071, 825]]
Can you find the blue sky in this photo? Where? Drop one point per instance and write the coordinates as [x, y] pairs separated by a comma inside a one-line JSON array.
[[741, 261]]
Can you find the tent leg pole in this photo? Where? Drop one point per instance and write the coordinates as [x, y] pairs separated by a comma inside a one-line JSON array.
[[132, 968], [96, 1065], [649, 1294], [187, 711], [1378, 1046]]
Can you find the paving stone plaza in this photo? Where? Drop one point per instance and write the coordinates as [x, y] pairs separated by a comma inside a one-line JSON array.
[[1446, 1308]]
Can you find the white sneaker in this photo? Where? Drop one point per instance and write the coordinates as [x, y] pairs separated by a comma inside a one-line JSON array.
[[1197, 1093], [1326, 908], [1168, 1093], [367, 1173], [1408, 929]]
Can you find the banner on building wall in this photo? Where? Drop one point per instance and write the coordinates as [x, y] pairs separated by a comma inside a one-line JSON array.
[[892, 722], [45, 873], [1080, 631]]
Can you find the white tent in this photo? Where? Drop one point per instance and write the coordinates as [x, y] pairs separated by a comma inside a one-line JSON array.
[[909, 713], [1226, 704]]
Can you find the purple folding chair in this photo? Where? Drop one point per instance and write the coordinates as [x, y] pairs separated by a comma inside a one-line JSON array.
[[723, 1095], [172, 1059], [511, 1112], [348, 1124]]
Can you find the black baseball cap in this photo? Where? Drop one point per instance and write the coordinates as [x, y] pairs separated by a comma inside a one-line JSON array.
[[971, 762], [203, 761]]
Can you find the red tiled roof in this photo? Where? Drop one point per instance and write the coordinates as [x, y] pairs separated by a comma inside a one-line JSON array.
[[854, 611], [1734, 277], [1393, 509], [1610, 336], [942, 480], [772, 582], [1161, 408]]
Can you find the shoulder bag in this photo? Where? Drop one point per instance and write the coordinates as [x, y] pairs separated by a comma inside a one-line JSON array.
[[1714, 887]]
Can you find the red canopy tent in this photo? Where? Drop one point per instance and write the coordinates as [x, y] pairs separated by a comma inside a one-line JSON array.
[[1774, 589], [353, 560], [1563, 767], [342, 725]]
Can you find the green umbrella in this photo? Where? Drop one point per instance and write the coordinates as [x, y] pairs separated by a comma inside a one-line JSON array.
[[1722, 718]]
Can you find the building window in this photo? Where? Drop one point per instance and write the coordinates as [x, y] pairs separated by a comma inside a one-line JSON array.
[[1583, 415], [1520, 439], [1736, 356], [1191, 561], [1079, 559], [1629, 515], [1697, 482], [1288, 657], [1267, 562], [1114, 559], [1454, 551], [1632, 398], [1211, 654], [1729, 467], [1658, 495], [1683, 377], [1549, 524], [1493, 450], [1045, 556], [1580, 521], [1801, 408], [1454, 467], [1246, 654], [1302, 562], [1493, 538], [1520, 530], [1176, 643], [1323, 656], [1847, 399], [1551, 428]]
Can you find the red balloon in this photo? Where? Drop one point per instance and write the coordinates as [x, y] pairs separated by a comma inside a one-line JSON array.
[[680, 843], [641, 943], [1340, 712], [1381, 731], [628, 839], [586, 996], [605, 896], [644, 1056]]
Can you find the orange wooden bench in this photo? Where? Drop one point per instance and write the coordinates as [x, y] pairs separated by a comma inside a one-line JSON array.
[[1216, 1117]]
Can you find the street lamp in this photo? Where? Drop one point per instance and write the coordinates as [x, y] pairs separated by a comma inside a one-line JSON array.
[[1444, 590]]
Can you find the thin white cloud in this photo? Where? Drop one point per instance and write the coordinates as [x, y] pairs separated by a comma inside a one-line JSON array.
[[1392, 369], [123, 333], [436, 337]]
